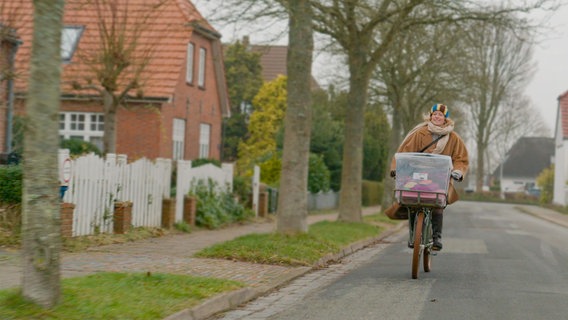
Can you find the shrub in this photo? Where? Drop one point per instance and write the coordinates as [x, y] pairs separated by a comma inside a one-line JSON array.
[[270, 169], [216, 208], [242, 188], [371, 193], [545, 181], [79, 147], [182, 226], [11, 184], [319, 176], [10, 224], [199, 162]]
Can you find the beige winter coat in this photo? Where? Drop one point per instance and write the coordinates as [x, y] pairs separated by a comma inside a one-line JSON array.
[[455, 148]]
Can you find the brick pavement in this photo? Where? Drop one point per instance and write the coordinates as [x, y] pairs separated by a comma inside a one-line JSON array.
[[170, 254]]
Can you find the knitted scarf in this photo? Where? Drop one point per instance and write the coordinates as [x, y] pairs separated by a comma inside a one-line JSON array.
[[445, 130]]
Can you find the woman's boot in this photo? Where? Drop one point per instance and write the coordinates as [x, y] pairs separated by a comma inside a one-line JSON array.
[[437, 223], [411, 217]]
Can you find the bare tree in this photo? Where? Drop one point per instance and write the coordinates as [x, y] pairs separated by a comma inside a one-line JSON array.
[[500, 64], [120, 57], [41, 241], [292, 203]]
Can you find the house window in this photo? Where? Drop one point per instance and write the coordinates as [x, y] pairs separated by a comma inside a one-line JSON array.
[[178, 139], [189, 67], [201, 79], [204, 134], [82, 126], [69, 39]]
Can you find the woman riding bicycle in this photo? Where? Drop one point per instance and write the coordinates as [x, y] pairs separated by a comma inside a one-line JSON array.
[[436, 135]]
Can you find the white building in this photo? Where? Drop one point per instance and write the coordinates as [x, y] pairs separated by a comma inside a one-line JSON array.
[[561, 151]]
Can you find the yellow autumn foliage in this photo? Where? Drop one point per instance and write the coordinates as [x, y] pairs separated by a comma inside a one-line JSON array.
[[264, 123]]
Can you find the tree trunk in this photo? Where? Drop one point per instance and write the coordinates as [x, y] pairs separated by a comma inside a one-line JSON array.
[[110, 108], [395, 140], [41, 238], [479, 171], [292, 202], [352, 170]]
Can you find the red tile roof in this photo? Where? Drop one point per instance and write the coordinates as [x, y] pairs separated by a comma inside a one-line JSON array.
[[166, 33], [273, 62], [272, 59]]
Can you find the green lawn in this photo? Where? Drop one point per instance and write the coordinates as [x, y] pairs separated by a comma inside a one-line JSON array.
[[323, 238], [119, 296]]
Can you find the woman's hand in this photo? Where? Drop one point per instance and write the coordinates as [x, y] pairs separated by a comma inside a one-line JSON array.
[[456, 175]]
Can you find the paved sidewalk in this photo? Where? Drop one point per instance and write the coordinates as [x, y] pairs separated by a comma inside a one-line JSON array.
[[545, 214]]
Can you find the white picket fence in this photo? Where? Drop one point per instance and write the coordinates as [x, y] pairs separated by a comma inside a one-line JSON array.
[[94, 184]]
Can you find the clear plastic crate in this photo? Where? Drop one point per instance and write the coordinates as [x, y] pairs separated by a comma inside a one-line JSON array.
[[422, 179]]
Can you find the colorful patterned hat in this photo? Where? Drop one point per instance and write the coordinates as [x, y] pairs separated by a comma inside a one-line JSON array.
[[442, 108]]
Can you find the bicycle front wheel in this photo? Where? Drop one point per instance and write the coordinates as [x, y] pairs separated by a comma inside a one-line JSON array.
[[418, 224], [427, 260]]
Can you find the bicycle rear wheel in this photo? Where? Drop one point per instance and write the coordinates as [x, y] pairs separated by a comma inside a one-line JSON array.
[[418, 224]]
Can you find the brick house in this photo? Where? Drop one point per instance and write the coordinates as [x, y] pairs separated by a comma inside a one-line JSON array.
[[177, 110]]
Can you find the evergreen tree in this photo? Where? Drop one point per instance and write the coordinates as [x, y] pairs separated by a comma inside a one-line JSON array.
[[244, 78]]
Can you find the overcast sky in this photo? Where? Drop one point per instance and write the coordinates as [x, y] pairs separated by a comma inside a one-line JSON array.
[[551, 57], [551, 77]]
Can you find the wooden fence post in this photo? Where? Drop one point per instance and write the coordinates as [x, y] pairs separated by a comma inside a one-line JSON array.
[[66, 216], [168, 213], [189, 209], [263, 204], [122, 218]]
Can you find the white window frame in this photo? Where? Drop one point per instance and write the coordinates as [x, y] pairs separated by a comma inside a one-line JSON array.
[[70, 36], [87, 126], [204, 140], [178, 139], [189, 64], [201, 75]]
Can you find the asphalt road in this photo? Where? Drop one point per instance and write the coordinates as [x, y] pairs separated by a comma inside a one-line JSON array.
[[497, 263]]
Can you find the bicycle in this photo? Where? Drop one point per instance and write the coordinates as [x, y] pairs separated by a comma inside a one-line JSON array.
[[422, 182]]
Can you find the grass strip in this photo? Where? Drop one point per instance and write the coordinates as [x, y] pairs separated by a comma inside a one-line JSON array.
[[119, 296], [323, 238]]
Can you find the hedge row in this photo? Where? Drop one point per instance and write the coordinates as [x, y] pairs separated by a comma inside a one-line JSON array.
[[371, 193], [10, 184]]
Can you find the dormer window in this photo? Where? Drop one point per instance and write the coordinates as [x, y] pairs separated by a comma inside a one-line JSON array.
[[69, 40]]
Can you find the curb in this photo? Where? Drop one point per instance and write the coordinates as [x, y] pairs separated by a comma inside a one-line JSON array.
[[544, 216], [231, 300]]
